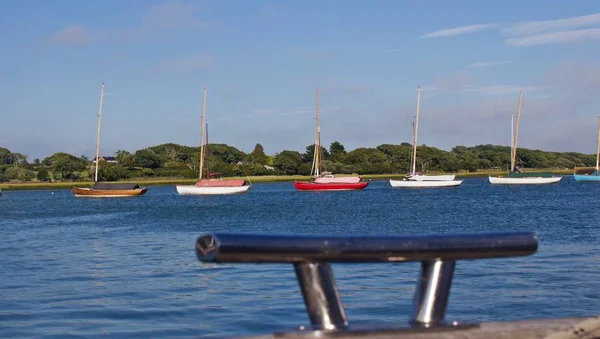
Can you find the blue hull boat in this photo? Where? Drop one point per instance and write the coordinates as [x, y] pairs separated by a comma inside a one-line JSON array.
[[595, 176]]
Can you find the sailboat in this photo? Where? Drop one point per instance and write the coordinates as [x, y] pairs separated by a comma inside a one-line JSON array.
[[214, 184], [515, 176], [326, 181], [415, 179], [107, 189], [595, 176]]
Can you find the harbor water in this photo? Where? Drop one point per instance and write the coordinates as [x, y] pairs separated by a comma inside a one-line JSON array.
[[126, 268]]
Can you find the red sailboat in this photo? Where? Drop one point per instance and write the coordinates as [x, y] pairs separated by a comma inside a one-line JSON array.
[[325, 181]]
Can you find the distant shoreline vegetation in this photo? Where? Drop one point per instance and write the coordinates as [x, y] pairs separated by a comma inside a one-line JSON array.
[[170, 161]]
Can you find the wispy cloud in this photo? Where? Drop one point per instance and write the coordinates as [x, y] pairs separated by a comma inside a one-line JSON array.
[[495, 90], [167, 17], [535, 27], [458, 31], [571, 36], [567, 30], [488, 63], [73, 35], [186, 63]]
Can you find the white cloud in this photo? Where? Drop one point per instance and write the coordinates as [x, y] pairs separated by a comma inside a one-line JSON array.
[[488, 63], [500, 89], [555, 37], [535, 27], [73, 35], [174, 14], [458, 31], [159, 19], [558, 31]]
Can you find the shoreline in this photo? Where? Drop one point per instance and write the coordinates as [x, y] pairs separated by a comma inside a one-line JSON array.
[[254, 179]]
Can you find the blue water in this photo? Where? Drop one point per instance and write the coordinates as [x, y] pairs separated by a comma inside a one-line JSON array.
[[127, 268]]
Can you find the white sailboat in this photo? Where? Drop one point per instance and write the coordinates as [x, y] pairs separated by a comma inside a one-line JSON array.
[[418, 180], [214, 184], [515, 176]]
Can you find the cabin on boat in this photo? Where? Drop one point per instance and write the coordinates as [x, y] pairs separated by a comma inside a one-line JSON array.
[[115, 186]]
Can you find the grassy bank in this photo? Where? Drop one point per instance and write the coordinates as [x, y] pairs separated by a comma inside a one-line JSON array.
[[256, 179]]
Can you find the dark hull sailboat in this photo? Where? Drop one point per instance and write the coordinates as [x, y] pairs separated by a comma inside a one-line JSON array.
[[107, 189], [110, 190]]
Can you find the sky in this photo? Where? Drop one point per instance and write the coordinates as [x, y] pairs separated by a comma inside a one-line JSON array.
[[262, 61]]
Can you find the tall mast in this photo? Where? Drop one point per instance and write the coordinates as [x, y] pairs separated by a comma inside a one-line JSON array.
[[514, 152], [202, 136], [598, 146], [98, 135], [412, 141], [512, 135], [414, 164], [206, 152], [317, 152]]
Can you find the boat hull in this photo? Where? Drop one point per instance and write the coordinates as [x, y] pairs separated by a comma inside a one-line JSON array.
[[332, 186], [423, 184], [448, 177], [94, 193], [523, 180], [583, 177], [211, 190]]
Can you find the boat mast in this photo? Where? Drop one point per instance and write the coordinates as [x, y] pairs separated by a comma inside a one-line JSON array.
[[317, 152], [98, 135], [514, 152], [414, 164], [202, 137], [598, 146], [206, 153], [512, 135], [412, 141]]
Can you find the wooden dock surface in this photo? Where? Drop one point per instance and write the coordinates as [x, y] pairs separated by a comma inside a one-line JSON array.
[[565, 328]]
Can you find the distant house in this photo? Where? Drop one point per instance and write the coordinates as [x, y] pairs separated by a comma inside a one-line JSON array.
[[106, 158], [270, 168]]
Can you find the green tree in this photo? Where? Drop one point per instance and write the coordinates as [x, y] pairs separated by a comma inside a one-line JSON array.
[[258, 155], [146, 158], [42, 175], [64, 165], [125, 158], [310, 153], [112, 172], [288, 161], [337, 150]]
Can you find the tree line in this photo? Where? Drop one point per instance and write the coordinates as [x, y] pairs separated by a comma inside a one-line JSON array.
[[177, 161]]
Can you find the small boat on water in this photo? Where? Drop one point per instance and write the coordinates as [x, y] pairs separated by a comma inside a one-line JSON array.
[[595, 175], [516, 176], [107, 189], [214, 184], [110, 190], [326, 181], [416, 179]]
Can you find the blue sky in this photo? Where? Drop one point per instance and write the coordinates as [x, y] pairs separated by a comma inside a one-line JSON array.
[[262, 61]]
